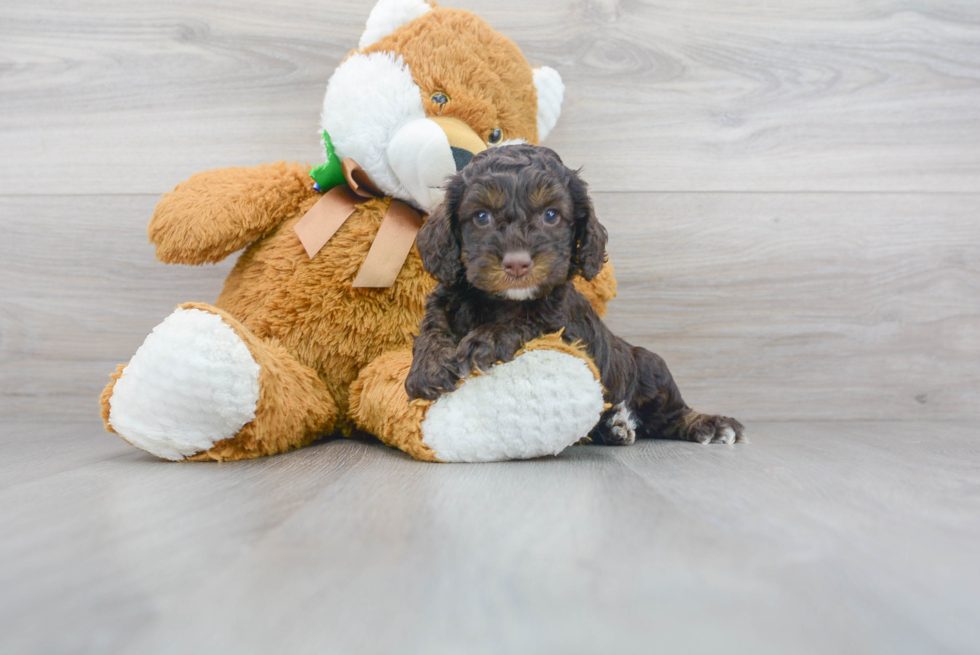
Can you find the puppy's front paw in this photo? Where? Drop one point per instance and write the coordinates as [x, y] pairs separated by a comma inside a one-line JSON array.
[[479, 351], [622, 427], [708, 428], [430, 380], [618, 428]]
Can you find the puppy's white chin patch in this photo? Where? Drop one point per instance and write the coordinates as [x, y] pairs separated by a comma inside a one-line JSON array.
[[520, 294]]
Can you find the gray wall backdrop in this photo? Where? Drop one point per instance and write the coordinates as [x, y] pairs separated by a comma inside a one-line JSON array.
[[791, 188]]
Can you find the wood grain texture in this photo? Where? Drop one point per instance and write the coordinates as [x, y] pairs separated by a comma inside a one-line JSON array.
[[791, 190], [798, 305], [814, 538], [774, 177], [880, 95], [785, 306], [81, 290]]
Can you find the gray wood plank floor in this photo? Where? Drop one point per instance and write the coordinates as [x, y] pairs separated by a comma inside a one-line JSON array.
[[791, 190], [814, 538]]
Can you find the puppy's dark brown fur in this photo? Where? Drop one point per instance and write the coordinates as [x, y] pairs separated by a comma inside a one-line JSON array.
[[521, 201]]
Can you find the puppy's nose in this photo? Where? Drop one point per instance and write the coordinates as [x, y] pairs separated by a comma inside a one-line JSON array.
[[517, 264]]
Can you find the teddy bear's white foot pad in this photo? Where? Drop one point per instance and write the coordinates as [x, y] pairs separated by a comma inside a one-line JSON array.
[[538, 404], [192, 383]]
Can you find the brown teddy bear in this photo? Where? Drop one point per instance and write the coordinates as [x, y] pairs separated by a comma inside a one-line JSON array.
[[312, 332]]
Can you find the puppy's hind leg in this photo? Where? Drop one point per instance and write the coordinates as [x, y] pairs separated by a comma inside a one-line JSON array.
[[661, 412], [710, 428]]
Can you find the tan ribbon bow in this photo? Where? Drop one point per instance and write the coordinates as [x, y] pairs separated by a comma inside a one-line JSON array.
[[392, 242]]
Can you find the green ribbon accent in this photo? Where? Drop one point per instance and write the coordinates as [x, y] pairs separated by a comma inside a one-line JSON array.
[[328, 174]]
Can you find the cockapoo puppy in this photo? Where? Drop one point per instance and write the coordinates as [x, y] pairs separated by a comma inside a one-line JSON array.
[[515, 227]]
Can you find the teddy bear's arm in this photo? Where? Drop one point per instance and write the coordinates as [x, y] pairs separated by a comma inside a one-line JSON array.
[[214, 213], [600, 289]]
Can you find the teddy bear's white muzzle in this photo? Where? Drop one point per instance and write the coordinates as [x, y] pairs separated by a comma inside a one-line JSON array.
[[422, 158]]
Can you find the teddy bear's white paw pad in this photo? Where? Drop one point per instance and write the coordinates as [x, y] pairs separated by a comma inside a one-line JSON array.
[[538, 404], [192, 383]]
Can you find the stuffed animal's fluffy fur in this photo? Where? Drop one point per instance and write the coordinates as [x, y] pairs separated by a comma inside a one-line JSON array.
[[290, 351]]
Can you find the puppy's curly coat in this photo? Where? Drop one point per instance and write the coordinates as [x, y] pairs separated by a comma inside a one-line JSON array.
[[515, 227]]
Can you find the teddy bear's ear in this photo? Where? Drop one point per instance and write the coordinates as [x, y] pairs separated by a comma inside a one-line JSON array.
[[551, 91], [388, 15]]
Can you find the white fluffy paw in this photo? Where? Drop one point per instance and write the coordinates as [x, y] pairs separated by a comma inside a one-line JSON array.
[[621, 427], [538, 404], [192, 383]]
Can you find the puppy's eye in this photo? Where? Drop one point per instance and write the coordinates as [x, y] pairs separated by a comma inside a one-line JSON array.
[[440, 98], [495, 137], [482, 219], [551, 217]]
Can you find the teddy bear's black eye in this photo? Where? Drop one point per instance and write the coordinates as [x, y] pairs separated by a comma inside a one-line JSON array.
[[496, 137], [482, 219], [440, 98], [551, 217]]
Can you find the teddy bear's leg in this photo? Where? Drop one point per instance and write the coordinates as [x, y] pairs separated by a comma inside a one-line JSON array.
[[203, 387], [544, 400]]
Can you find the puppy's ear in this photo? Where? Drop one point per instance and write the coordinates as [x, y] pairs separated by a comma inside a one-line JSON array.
[[590, 235], [438, 239]]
